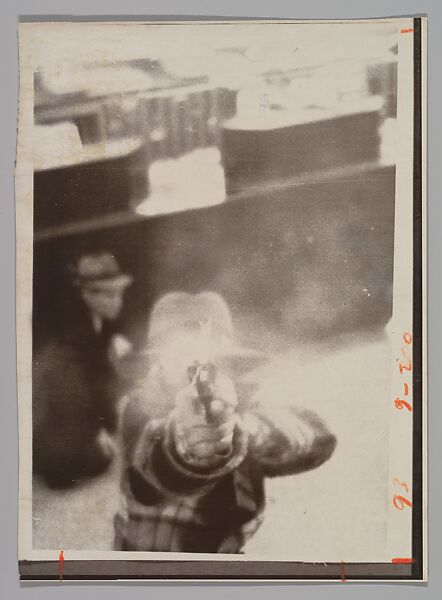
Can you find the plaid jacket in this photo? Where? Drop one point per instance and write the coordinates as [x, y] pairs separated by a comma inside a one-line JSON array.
[[167, 506]]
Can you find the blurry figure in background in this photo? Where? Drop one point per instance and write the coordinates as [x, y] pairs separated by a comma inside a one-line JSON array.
[[197, 446], [76, 386]]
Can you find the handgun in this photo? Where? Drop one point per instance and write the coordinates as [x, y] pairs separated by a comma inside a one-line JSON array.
[[204, 375]]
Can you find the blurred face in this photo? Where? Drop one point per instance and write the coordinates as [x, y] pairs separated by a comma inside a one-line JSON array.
[[181, 351], [106, 303]]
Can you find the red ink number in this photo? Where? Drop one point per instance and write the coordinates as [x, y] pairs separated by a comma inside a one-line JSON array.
[[401, 403], [397, 481], [405, 367], [407, 338], [405, 352], [400, 502]]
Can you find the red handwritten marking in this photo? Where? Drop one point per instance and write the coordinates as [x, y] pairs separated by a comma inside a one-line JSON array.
[[397, 481], [343, 579], [400, 502], [405, 367], [406, 353], [402, 561], [410, 30], [407, 338], [61, 564], [401, 403]]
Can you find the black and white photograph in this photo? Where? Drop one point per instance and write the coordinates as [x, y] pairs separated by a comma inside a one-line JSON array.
[[219, 342]]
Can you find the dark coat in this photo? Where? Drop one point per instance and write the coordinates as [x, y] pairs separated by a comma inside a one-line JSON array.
[[75, 394]]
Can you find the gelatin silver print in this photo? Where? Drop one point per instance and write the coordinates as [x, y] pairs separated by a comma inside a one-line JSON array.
[[219, 341]]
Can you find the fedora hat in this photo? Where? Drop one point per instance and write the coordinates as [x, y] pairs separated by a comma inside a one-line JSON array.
[[203, 322], [100, 271]]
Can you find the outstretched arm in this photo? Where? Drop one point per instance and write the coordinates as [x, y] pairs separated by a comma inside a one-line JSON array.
[[288, 440], [185, 455]]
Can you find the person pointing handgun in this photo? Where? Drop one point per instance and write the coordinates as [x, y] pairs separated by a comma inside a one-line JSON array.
[[197, 446], [205, 419]]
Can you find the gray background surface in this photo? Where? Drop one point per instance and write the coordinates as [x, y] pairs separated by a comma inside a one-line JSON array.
[[9, 12]]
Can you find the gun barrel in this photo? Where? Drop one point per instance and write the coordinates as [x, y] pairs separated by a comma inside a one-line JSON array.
[[205, 377]]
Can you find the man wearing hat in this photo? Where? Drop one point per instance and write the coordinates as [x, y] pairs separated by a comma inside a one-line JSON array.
[[75, 383], [197, 444]]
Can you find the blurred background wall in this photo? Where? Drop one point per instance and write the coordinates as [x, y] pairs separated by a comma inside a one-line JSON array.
[[259, 169]]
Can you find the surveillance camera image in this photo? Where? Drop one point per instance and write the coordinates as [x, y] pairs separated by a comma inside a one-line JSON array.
[[218, 345]]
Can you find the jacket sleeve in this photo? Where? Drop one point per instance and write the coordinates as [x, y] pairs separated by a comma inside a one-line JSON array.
[[280, 441], [287, 440], [151, 453]]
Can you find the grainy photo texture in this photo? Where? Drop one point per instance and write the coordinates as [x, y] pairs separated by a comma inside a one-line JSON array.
[[212, 310]]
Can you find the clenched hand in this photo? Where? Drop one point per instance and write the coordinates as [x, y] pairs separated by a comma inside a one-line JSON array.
[[201, 442]]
